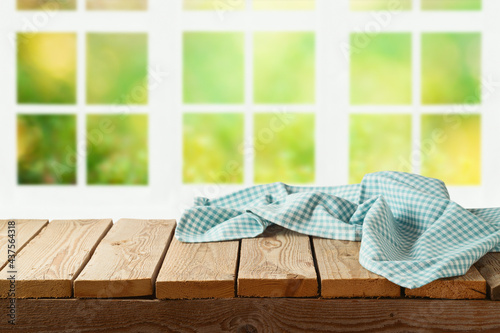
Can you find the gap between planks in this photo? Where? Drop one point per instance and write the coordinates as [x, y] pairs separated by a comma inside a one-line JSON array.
[[489, 267], [127, 261], [50, 262], [316, 267], [25, 231], [342, 276]]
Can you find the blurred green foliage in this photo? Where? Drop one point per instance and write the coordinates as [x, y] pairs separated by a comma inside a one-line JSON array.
[[213, 67], [46, 4], [451, 68], [117, 149], [365, 5], [451, 4], [46, 149], [212, 148], [117, 68], [379, 142], [451, 148], [284, 148], [213, 72], [284, 67], [117, 4], [284, 4], [213, 5], [381, 69], [46, 68]]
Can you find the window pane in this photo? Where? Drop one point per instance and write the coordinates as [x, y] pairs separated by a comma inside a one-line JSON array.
[[283, 4], [451, 148], [213, 148], [117, 4], [284, 67], [46, 4], [46, 68], [381, 68], [379, 143], [213, 67], [284, 148], [117, 149], [117, 70], [451, 4], [451, 68], [46, 149], [221, 6], [362, 5]]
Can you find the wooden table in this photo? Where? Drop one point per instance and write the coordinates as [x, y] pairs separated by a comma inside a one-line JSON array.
[[134, 276]]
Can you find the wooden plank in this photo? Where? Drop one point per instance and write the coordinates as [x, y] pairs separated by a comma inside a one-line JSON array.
[[470, 286], [279, 263], [198, 270], [489, 267], [25, 230], [48, 264], [342, 275], [127, 260], [253, 315]]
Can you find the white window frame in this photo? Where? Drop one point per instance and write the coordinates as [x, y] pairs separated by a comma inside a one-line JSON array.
[[165, 22]]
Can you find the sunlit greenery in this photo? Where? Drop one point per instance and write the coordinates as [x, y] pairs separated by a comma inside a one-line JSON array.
[[46, 4], [284, 67], [451, 148], [451, 4], [377, 143], [213, 67], [284, 4], [381, 69], [117, 4], [451, 68], [46, 68], [117, 68], [217, 5], [117, 149], [284, 72], [212, 148], [284, 148], [363, 5], [46, 149]]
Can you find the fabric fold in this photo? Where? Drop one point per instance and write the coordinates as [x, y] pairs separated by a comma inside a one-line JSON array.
[[410, 231]]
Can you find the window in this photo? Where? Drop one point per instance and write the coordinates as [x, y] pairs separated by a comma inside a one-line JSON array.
[[80, 117], [417, 98], [381, 74], [42, 144], [46, 68], [133, 107], [381, 71]]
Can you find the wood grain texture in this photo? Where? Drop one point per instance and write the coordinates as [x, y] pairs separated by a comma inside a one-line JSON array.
[[127, 260], [25, 231], [279, 263], [342, 275], [489, 267], [48, 264], [470, 286], [254, 315], [198, 270]]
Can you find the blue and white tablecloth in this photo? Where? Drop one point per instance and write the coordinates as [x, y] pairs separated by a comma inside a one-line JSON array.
[[410, 231]]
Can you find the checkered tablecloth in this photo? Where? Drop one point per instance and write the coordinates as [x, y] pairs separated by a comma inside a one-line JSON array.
[[410, 231]]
